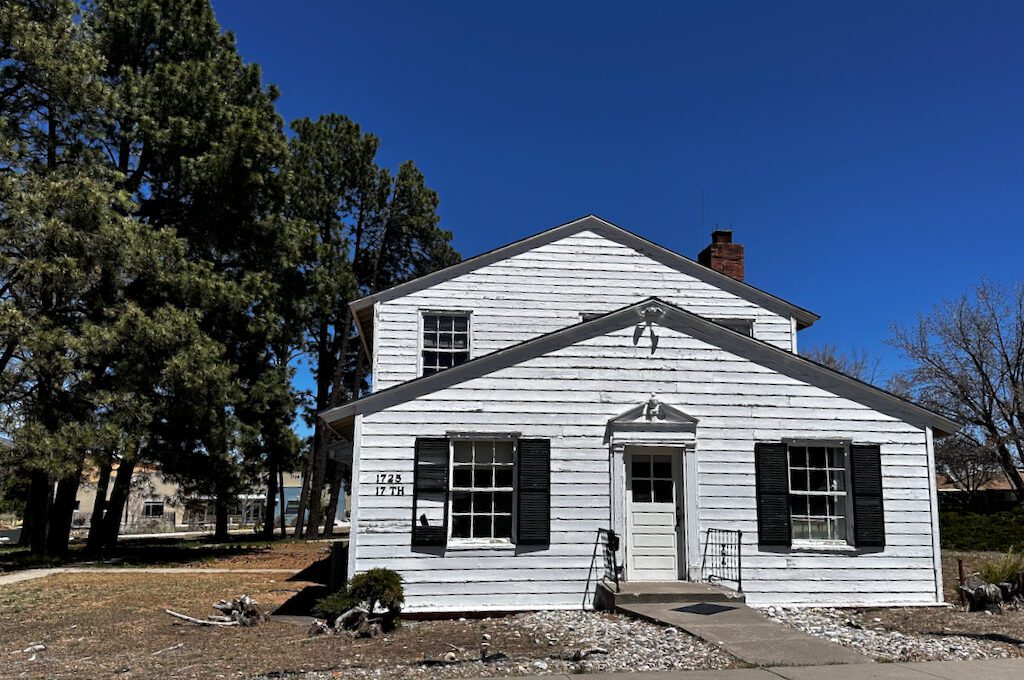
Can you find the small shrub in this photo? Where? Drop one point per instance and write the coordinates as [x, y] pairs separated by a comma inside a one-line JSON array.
[[334, 605], [372, 589], [1004, 569], [379, 587]]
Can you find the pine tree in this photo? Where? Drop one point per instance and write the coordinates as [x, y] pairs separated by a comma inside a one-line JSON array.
[[365, 230]]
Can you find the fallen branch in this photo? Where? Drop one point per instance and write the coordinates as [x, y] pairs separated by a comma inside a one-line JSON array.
[[199, 622], [168, 649]]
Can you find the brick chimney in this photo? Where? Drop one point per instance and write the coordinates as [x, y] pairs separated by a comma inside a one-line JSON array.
[[723, 255]]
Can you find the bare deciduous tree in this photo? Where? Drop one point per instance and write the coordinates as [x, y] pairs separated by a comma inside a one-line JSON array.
[[858, 363], [967, 362], [967, 466]]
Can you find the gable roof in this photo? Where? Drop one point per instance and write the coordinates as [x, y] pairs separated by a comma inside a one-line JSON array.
[[362, 308], [668, 315]]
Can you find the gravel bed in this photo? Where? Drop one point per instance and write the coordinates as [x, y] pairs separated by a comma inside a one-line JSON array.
[[553, 642], [865, 633]]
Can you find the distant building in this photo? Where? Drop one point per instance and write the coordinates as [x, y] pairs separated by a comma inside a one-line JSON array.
[[995, 495], [155, 505]]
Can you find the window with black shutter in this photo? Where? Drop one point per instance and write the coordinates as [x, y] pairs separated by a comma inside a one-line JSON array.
[[819, 493], [533, 492], [499, 490]]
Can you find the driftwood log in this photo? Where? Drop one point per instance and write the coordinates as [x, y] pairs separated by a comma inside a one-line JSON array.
[[199, 622], [241, 611], [983, 596]]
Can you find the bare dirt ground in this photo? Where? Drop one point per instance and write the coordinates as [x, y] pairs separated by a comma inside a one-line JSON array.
[[97, 625], [1006, 628]]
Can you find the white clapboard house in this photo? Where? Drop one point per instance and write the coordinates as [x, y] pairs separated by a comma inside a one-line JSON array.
[[586, 379]]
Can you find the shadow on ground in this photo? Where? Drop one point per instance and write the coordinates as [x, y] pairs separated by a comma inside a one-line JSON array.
[[302, 603], [139, 552]]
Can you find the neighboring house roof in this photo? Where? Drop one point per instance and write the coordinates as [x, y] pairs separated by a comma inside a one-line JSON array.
[[668, 315], [363, 308], [999, 483]]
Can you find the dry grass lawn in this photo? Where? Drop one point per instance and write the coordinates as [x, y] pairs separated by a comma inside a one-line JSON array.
[[1006, 627], [242, 552], [102, 625], [113, 626]]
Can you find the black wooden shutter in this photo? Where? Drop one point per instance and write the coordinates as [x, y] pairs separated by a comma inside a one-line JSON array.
[[868, 513], [533, 492], [430, 480], [771, 468]]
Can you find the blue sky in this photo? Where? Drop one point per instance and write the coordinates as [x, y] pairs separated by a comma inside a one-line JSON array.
[[870, 156]]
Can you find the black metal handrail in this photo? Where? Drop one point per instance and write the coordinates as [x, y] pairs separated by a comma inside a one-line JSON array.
[[608, 540], [723, 557]]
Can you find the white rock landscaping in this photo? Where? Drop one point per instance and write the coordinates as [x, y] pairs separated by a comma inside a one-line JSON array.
[[865, 634], [567, 642]]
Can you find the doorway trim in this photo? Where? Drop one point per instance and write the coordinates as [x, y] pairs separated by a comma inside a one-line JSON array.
[[653, 424]]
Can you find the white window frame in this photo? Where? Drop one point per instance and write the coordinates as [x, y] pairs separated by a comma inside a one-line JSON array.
[[843, 543], [481, 437], [442, 312], [148, 504]]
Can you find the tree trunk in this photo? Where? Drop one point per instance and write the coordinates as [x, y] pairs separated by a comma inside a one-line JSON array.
[[269, 515], [220, 509], [37, 509], [324, 370], [62, 512], [1006, 459], [321, 437], [303, 495], [284, 504], [111, 522], [94, 543], [317, 471], [337, 473]]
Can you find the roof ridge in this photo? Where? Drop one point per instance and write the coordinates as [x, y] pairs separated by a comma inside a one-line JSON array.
[[662, 253]]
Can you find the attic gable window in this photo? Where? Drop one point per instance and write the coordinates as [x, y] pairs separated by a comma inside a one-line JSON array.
[[744, 326], [445, 340]]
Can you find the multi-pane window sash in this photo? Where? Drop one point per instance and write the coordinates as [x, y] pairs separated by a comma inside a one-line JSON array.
[[445, 341], [153, 509], [482, 489], [817, 493]]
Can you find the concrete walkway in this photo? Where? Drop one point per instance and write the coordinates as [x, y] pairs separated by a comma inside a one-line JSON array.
[[32, 574], [750, 637], [988, 669]]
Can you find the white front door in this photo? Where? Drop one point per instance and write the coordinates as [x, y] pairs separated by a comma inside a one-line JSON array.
[[653, 514]]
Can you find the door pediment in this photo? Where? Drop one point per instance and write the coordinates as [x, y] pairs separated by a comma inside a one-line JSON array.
[[653, 417]]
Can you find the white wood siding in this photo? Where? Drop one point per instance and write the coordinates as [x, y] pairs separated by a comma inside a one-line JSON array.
[[568, 396], [547, 288]]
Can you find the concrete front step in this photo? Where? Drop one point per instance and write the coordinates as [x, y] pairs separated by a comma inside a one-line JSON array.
[[662, 592]]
